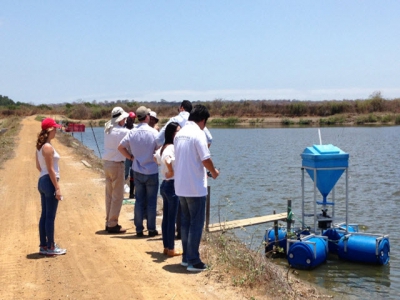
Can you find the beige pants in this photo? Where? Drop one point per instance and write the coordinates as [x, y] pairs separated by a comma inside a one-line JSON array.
[[114, 173]]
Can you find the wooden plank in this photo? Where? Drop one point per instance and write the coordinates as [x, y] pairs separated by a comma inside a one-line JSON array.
[[246, 222]]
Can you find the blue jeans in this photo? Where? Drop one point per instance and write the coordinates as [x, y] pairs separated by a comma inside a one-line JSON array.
[[170, 210], [128, 165], [146, 189], [193, 211], [49, 210]]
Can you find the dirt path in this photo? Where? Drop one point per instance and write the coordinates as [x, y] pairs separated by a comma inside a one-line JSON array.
[[97, 265]]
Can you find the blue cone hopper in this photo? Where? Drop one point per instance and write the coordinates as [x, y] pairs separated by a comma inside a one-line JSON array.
[[325, 156]]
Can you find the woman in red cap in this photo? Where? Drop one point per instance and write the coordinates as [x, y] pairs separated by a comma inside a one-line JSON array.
[[47, 164]]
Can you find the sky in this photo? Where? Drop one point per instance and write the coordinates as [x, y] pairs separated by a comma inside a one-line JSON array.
[[72, 51]]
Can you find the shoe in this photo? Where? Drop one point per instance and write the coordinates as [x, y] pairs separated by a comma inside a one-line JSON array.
[[116, 229], [174, 252], [139, 234], [55, 251], [153, 233], [165, 251], [43, 250], [131, 196], [185, 264], [197, 267]]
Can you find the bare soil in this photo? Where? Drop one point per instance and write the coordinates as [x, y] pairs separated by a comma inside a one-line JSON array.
[[97, 265]]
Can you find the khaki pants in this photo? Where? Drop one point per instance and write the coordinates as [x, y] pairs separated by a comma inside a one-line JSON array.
[[114, 173]]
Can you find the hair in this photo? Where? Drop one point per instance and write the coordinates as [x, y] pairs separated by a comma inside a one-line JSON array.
[[42, 138], [199, 113], [129, 122], [169, 135], [186, 105]]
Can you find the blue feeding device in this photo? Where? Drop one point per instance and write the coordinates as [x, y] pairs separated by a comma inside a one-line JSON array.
[[308, 252], [324, 164]]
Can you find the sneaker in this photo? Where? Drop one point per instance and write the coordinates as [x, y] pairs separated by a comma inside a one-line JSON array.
[[140, 234], [185, 264], [153, 233], [43, 250], [197, 267], [116, 229], [56, 251]]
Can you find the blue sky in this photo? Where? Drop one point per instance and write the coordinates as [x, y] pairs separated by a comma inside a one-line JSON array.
[[68, 51]]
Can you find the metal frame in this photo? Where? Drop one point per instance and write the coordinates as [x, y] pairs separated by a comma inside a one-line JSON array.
[[332, 203]]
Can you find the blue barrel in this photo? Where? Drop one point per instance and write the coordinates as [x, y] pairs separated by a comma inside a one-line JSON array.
[[365, 249], [269, 239], [308, 253], [334, 235]]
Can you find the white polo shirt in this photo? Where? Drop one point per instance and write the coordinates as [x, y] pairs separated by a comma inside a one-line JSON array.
[[190, 150]]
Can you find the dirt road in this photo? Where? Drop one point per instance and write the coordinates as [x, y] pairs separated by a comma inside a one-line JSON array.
[[97, 265]]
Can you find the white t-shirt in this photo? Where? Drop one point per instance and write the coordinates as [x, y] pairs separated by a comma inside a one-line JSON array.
[[42, 162], [190, 151], [168, 156]]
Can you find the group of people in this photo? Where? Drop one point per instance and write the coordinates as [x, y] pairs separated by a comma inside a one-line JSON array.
[[179, 151]]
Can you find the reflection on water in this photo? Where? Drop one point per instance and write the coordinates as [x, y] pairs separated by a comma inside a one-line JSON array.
[[261, 169]]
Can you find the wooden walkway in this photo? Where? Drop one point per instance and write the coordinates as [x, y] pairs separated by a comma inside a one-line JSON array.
[[245, 222]]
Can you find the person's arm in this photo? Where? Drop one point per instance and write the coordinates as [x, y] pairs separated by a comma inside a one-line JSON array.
[[37, 162], [48, 154], [208, 136], [125, 152], [170, 172], [208, 164]]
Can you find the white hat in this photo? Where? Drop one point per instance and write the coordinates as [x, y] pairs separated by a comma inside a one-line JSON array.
[[153, 114], [117, 115]]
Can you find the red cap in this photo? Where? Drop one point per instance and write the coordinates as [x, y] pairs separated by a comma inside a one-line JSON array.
[[49, 123], [132, 115]]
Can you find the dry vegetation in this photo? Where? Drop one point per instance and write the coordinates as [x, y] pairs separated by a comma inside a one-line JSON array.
[[374, 110]]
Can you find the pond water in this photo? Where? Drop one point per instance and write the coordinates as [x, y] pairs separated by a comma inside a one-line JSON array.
[[261, 169]]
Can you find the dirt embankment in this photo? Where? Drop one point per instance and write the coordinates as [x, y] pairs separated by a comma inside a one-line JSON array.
[[97, 265]]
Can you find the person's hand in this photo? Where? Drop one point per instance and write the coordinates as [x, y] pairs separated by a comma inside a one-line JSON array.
[[169, 174], [215, 173], [58, 195]]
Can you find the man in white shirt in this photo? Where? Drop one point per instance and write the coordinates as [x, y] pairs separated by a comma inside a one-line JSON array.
[[142, 142], [114, 167], [192, 159]]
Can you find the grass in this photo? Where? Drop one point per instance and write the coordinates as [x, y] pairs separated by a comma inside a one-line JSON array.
[[233, 263], [11, 127]]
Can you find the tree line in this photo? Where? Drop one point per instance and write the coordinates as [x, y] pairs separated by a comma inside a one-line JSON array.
[[219, 108]]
